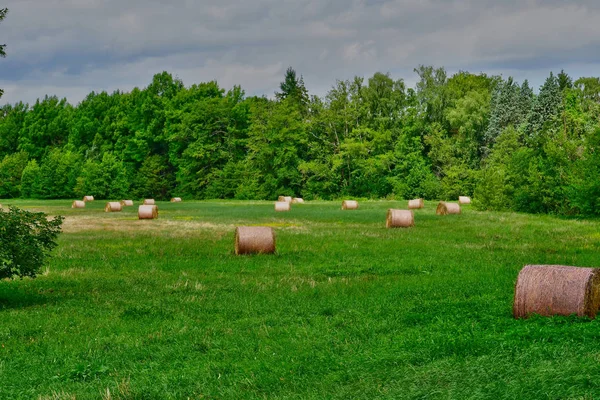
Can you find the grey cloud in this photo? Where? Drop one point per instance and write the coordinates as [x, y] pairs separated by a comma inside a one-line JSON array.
[[75, 46]]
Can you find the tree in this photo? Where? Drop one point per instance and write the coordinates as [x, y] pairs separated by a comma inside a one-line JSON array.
[[11, 169], [26, 239], [3, 13], [545, 108], [564, 81], [293, 88]]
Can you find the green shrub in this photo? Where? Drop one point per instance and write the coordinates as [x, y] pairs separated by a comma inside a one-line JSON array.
[[26, 239]]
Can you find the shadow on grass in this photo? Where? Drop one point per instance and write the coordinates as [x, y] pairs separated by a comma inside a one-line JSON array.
[[12, 297]]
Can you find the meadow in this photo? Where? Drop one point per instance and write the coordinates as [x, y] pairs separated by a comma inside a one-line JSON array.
[[346, 309]]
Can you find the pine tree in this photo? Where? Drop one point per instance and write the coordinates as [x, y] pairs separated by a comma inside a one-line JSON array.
[[525, 101], [564, 81], [504, 111], [546, 106]]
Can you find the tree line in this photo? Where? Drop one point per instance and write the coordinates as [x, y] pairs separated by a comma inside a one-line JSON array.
[[465, 134]]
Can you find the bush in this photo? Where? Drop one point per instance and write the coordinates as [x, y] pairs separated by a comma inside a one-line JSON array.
[[26, 239]]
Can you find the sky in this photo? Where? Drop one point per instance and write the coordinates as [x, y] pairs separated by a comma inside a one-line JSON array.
[[69, 48]]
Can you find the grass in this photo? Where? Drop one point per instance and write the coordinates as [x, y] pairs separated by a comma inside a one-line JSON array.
[[346, 309]]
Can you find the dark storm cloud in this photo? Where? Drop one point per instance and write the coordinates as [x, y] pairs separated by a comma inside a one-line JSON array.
[[70, 47]]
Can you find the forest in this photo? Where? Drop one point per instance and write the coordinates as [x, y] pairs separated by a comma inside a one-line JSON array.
[[466, 134]]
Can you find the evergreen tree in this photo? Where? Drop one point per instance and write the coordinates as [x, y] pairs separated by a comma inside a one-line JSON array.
[[293, 87], [525, 101], [545, 108], [564, 81]]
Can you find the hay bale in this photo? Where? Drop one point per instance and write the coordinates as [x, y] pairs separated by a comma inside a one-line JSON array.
[[282, 206], [254, 240], [399, 219], [285, 198], [88, 198], [113, 206], [148, 211], [416, 203], [464, 200], [149, 202], [78, 204], [297, 200], [176, 200], [126, 203], [557, 290], [349, 205], [447, 208]]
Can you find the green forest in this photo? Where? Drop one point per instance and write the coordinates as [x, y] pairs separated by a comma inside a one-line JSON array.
[[466, 134]]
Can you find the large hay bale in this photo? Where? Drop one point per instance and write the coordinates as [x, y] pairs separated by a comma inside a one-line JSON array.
[[464, 200], [297, 200], [287, 199], [399, 219], [88, 198], [349, 205], [149, 202], [447, 208], [416, 203], [254, 239], [126, 203], [176, 200], [148, 212], [113, 206], [78, 204], [282, 206], [557, 290]]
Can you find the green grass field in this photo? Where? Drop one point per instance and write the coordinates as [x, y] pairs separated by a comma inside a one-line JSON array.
[[346, 309]]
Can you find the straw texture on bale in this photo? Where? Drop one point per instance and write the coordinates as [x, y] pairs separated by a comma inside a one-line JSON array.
[[148, 212], [149, 202], [78, 204], [297, 200], [113, 206], [416, 203], [349, 205], [447, 208], [285, 198], [254, 239], [557, 290], [399, 219], [282, 206], [464, 200], [176, 200], [88, 198], [126, 203]]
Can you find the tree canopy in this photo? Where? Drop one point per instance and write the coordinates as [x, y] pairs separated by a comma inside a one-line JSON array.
[[374, 137]]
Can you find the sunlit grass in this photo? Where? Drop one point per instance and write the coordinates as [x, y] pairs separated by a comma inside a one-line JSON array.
[[345, 309]]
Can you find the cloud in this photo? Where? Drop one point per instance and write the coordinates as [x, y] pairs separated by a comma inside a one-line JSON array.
[[70, 47]]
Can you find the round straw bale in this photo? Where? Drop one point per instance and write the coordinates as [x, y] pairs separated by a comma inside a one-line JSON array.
[[297, 200], [416, 203], [88, 198], [447, 208], [557, 290], [113, 206], [254, 239], [126, 203], [78, 204], [349, 205], [464, 200], [176, 200], [285, 198], [149, 202], [399, 219], [282, 206], [147, 212]]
